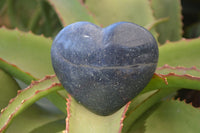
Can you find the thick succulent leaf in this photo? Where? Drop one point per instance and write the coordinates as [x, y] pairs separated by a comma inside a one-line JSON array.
[[168, 79], [139, 108], [172, 29], [151, 26], [8, 88], [180, 70], [27, 97], [185, 53], [35, 119], [112, 11], [16, 71], [134, 122], [31, 53], [29, 15], [80, 120], [174, 117], [27, 57], [51, 127], [70, 11], [145, 101]]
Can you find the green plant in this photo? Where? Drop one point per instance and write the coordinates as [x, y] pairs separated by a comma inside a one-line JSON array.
[[25, 61]]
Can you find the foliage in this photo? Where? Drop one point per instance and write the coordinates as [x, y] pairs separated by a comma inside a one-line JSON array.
[[25, 63]]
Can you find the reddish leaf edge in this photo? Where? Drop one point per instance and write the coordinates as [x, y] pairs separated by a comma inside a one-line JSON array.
[[15, 69], [24, 32], [163, 84], [124, 116], [180, 16], [68, 103], [156, 75], [12, 115], [188, 76], [89, 12], [58, 13], [81, 3], [166, 66]]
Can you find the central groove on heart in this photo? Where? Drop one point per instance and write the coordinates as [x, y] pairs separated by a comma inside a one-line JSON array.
[[106, 67]]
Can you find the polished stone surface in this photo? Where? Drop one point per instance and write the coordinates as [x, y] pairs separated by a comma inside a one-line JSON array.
[[104, 68]]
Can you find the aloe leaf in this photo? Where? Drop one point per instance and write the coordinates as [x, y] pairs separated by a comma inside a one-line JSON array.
[[111, 11], [136, 110], [139, 124], [169, 78], [156, 23], [139, 109], [30, 53], [80, 120], [172, 29], [16, 72], [27, 97], [51, 127], [174, 117], [180, 70], [35, 119], [30, 15], [163, 85], [70, 11], [181, 53], [151, 26], [27, 57], [8, 88]]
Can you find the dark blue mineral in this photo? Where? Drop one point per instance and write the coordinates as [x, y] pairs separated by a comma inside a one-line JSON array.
[[104, 68]]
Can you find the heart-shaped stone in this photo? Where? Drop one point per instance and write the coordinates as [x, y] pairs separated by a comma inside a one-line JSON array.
[[104, 68]]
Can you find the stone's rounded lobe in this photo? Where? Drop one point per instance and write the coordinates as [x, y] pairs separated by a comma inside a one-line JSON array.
[[103, 69]]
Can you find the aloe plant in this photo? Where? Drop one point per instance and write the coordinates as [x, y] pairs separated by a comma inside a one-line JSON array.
[[27, 74]]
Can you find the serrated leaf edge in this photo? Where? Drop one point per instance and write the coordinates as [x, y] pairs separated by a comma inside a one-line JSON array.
[[166, 66], [23, 101], [124, 116], [90, 12], [25, 32], [180, 17], [68, 103], [19, 69]]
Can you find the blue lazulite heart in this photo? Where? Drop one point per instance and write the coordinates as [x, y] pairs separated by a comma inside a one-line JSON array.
[[104, 68]]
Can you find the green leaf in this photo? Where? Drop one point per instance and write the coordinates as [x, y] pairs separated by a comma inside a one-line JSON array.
[[34, 15], [172, 29], [16, 72], [81, 120], [27, 57], [25, 98], [35, 119], [174, 117], [185, 53], [31, 53], [19, 18], [164, 85], [70, 11], [179, 70], [112, 11], [134, 121], [51, 127], [8, 88]]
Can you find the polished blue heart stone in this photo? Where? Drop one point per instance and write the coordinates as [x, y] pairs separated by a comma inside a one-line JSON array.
[[104, 68]]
